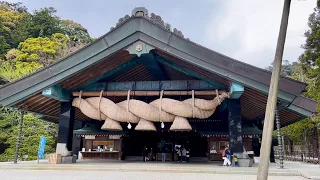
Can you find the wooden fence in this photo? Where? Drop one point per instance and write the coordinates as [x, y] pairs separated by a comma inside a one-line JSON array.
[[305, 156]]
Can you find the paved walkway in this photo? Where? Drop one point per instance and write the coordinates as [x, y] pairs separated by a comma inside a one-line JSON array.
[[294, 169], [96, 175]]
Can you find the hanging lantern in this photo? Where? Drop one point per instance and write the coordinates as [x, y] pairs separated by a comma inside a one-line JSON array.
[[129, 126], [162, 125]]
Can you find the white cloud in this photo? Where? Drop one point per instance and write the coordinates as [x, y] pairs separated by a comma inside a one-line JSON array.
[[247, 30]]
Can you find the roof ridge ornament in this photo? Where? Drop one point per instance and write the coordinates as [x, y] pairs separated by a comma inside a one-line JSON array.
[[140, 12], [143, 12]]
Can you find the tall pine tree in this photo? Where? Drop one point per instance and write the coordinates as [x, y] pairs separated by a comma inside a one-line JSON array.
[[310, 67]]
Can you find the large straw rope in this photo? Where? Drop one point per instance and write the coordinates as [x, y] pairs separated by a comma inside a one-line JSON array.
[[132, 110]]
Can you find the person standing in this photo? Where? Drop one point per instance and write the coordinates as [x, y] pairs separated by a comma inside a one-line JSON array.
[[179, 154], [164, 154], [188, 155], [145, 153], [226, 155], [152, 154], [184, 154]]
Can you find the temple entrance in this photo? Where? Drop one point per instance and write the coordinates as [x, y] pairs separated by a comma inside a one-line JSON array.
[[168, 142]]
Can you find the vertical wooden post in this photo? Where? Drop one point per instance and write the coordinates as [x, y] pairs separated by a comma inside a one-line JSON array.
[[272, 98], [16, 153]]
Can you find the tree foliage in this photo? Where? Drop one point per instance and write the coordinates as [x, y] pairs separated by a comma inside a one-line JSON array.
[[45, 23], [75, 31], [287, 68], [31, 55], [307, 70], [13, 26], [30, 41], [310, 59], [17, 25], [33, 129]]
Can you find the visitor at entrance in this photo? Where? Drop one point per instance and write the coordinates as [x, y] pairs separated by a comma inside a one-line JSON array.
[[163, 150], [184, 154], [152, 154], [226, 155], [188, 155], [178, 149], [145, 153], [164, 155]]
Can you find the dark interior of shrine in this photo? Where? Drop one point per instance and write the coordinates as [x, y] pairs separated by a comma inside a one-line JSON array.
[[134, 141]]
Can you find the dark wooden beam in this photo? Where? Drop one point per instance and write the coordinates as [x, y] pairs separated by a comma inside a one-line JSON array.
[[190, 72], [146, 93], [153, 66], [177, 85]]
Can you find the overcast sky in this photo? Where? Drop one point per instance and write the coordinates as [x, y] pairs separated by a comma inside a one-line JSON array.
[[246, 30]]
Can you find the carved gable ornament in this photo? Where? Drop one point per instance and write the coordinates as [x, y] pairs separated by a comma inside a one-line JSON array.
[[143, 12]]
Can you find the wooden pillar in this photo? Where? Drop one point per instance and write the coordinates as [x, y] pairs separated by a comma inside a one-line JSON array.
[[65, 133], [235, 126], [76, 140]]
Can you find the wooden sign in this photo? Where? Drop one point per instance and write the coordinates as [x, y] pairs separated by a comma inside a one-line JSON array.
[[105, 143], [90, 137], [114, 136]]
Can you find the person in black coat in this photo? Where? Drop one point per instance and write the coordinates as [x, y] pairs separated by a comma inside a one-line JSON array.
[[145, 153]]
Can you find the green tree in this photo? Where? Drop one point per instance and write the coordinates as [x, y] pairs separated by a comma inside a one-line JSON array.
[[33, 129], [7, 6], [14, 26], [31, 55], [305, 132], [45, 23], [310, 60], [4, 46], [28, 42], [287, 68], [75, 31]]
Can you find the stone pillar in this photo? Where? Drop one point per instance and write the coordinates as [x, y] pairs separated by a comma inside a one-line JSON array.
[[235, 126], [65, 134], [76, 141]]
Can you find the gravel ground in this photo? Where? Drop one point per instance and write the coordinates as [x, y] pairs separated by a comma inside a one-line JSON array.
[[95, 175]]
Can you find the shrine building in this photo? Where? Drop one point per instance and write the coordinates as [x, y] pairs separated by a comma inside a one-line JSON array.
[[144, 84]]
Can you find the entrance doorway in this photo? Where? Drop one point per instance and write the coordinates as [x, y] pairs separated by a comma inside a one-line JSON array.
[[154, 141]]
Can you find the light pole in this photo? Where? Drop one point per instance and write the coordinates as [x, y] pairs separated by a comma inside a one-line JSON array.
[[272, 98]]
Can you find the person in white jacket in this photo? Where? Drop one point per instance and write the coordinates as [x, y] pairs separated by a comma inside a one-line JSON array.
[[226, 155], [184, 154]]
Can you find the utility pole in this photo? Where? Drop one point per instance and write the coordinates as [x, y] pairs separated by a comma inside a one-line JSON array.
[[18, 138], [272, 97]]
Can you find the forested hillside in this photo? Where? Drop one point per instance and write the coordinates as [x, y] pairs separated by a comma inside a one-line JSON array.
[[30, 41]]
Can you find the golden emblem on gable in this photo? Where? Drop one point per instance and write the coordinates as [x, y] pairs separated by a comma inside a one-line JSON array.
[[139, 48]]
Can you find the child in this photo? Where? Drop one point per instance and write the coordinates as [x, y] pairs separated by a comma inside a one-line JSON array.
[[235, 158]]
